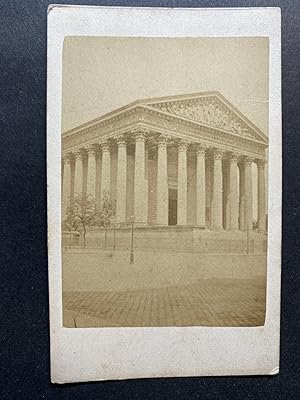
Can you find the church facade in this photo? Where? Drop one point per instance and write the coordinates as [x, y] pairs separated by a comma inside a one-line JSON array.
[[183, 161]]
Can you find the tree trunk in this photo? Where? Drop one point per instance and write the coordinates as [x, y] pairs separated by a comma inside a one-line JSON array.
[[105, 238], [84, 232]]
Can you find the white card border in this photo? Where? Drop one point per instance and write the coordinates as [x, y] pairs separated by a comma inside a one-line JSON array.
[[119, 353]]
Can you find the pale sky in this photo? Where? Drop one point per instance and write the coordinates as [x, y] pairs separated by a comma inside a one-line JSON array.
[[102, 74]]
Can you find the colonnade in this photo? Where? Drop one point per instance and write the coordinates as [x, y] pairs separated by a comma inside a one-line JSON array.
[[238, 205]]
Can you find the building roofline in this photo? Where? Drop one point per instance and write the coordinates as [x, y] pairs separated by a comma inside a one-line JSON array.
[[149, 101]]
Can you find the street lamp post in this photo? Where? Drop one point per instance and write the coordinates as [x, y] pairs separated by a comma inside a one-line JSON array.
[[131, 247], [248, 240], [114, 243]]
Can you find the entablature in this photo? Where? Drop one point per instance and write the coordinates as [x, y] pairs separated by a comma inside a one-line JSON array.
[[171, 126]]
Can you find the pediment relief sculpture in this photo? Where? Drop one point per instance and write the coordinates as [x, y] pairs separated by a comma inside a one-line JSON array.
[[209, 112]]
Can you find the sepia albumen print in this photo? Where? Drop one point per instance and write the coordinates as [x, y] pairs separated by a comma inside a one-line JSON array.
[[164, 181]]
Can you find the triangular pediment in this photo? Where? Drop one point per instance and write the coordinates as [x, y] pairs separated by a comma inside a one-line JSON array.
[[211, 110]]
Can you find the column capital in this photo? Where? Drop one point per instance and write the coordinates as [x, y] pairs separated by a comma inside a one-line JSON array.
[[247, 161], [71, 157], [83, 155], [201, 149], [97, 149], [233, 158], [260, 162], [105, 145], [91, 150], [66, 158], [140, 133], [77, 154], [163, 140], [183, 145], [120, 140], [218, 154]]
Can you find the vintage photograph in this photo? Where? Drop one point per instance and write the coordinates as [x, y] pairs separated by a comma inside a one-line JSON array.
[[164, 181]]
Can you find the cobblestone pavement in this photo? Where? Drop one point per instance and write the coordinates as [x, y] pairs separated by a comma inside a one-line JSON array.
[[207, 302]]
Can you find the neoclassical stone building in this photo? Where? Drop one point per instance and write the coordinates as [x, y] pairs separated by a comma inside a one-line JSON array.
[[181, 160]]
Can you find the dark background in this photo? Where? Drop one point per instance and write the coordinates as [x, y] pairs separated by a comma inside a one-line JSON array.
[[24, 336]]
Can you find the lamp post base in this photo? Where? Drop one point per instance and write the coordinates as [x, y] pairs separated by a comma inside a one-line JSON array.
[[131, 257]]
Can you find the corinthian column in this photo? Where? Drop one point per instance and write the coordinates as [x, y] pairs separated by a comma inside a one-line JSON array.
[[91, 184], [78, 173], [217, 200], [83, 157], [121, 180], [84, 160], [233, 196], [63, 162], [248, 193], [98, 171], [242, 196], [65, 174], [200, 187], [72, 161], [106, 165], [140, 211], [162, 182], [261, 195], [182, 184]]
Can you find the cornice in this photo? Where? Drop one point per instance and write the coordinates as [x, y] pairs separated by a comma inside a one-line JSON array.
[[103, 121], [210, 131], [208, 138]]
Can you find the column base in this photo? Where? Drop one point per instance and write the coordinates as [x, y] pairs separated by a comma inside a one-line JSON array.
[[261, 231], [139, 223], [217, 228]]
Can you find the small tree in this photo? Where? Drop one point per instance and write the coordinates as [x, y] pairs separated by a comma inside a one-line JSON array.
[[107, 210], [82, 215], [106, 213]]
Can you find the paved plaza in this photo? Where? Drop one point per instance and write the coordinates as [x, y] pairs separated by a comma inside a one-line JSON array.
[[103, 289]]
